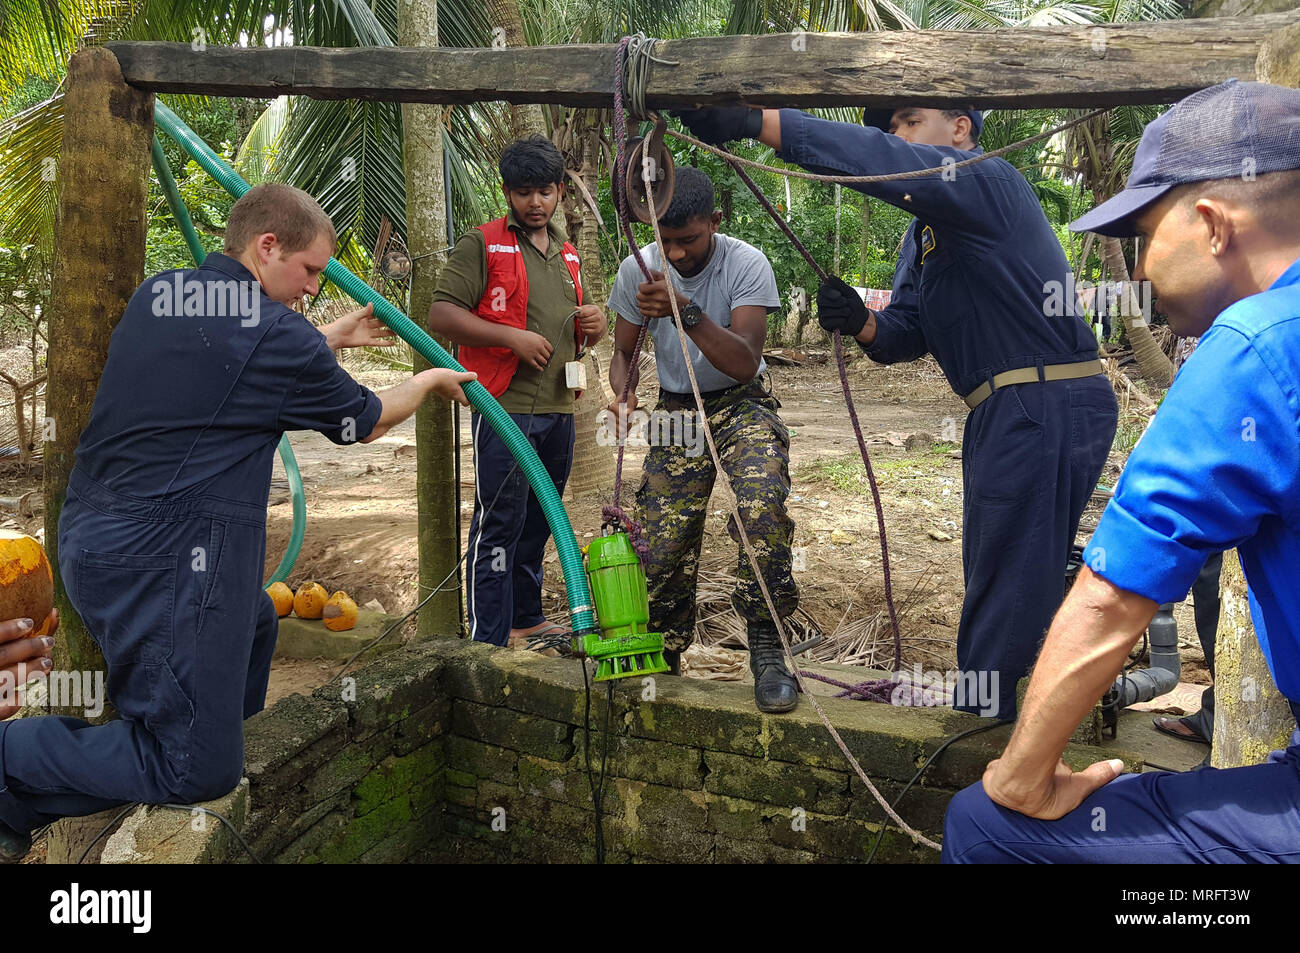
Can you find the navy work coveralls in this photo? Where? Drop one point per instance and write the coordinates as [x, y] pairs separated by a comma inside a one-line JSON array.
[[162, 541], [981, 285]]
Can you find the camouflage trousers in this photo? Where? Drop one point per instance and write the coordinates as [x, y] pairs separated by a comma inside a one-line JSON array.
[[672, 502]]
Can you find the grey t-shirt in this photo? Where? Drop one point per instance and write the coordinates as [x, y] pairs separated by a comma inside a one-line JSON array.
[[737, 274]]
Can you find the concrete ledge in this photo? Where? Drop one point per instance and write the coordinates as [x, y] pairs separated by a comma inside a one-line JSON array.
[[308, 638], [160, 835]]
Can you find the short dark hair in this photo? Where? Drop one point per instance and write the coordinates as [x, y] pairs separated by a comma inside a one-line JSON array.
[[957, 114], [692, 197], [531, 162], [1273, 196]]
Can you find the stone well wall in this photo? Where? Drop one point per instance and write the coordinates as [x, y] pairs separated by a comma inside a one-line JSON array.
[[451, 751]]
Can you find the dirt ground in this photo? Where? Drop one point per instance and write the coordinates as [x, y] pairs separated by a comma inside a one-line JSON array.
[[361, 530]]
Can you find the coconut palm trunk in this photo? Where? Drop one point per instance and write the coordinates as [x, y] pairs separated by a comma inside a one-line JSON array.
[[438, 519], [1151, 360], [507, 26]]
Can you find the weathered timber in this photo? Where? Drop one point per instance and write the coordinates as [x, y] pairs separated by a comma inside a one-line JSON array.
[[1090, 65]]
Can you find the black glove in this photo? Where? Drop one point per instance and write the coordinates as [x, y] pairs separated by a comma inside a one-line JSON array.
[[716, 126], [840, 309]]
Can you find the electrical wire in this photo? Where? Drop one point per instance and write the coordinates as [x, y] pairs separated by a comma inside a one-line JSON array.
[[188, 809], [880, 836], [537, 393]]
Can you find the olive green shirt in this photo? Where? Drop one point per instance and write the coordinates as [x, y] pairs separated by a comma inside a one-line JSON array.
[[551, 301]]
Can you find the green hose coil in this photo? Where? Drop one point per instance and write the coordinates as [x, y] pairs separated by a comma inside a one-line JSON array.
[[197, 252], [575, 577]]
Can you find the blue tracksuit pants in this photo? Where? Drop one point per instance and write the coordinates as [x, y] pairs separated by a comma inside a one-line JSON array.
[[507, 538]]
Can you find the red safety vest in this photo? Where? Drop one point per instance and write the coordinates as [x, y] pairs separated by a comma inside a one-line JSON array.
[[505, 301]]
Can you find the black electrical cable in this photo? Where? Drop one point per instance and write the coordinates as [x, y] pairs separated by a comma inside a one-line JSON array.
[[921, 770], [597, 785], [188, 809]]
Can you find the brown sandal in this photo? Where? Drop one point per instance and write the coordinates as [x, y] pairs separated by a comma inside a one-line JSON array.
[[1191, 735]]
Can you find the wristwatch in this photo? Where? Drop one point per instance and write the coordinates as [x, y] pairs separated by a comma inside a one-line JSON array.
[[692, 315]]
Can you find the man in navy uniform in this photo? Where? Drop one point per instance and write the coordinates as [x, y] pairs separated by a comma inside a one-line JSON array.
[[978, 286], [1214, 200], [162, 538]]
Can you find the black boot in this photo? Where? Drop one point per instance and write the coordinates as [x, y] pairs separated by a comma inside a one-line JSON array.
[[674, 660], [775, 689], [13, 845]]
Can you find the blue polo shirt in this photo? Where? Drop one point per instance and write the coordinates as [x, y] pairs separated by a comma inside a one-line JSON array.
[[981, 274], [1218, 468], [204, 374]]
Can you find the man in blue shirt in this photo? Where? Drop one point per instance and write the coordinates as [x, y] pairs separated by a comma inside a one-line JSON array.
[[979, 284], [1214, 200], [162, 537]]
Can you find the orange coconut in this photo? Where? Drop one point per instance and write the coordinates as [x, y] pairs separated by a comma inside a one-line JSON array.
[[282, 596], [340, 613], [26, 581], [310, 600]]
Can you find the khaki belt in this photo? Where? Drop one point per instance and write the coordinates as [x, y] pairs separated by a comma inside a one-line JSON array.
[[1029, 375]]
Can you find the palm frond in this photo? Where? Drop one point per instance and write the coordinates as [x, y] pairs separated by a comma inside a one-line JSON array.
[[256, 156], [30, 143]]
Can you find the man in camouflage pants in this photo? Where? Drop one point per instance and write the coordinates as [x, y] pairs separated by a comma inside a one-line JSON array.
[[725, 289]]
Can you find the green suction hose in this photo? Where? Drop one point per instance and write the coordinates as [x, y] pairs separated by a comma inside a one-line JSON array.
[[575, 578], [296, 493]]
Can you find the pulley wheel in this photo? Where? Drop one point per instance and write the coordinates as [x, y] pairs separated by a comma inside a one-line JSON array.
[[661, 176]]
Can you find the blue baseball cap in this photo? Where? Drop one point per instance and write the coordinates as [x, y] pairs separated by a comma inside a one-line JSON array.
[[879, 118], [1231, 131]]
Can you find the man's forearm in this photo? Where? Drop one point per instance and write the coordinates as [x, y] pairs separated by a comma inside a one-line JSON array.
[[1089, 639], [461, 327], [400, 402], [619, 364], [725, 349], [867, 336], [771, 132]]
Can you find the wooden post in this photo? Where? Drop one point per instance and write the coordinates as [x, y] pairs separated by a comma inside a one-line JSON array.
[[99, 245], [1251, 717], [435, 438]]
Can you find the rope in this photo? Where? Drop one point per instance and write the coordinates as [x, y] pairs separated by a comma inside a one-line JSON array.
[[889, 177], [877, 690], [842, 365], [916, 836], [639, 58]]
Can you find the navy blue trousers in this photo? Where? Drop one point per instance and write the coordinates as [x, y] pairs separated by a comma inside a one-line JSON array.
[[1031, 456], [507, 538], [171, 592], [1233, 816]]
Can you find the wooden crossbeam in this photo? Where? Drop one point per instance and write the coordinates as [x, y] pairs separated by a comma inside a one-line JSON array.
[[1103, 65]]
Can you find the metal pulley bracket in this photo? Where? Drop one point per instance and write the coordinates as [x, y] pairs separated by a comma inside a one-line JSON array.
[[649, 148]]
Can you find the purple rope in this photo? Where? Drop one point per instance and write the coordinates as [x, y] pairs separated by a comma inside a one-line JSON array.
[[876, 690], [618, 189], [615, 515]]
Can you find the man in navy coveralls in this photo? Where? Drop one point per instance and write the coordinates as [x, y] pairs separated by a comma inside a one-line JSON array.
[[979, 285], [162, 538]]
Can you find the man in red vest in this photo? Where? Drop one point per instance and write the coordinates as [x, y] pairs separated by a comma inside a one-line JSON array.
[[510, 295]]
